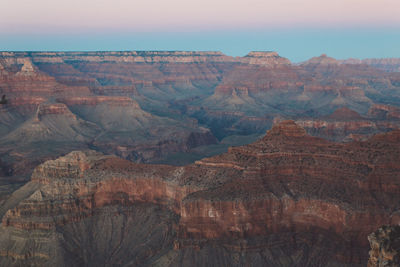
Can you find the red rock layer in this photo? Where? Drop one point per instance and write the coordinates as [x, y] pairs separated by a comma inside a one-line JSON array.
[[286, 182], [54, 109], [386, 64], [95, 100], [346, 125], [147, 57]]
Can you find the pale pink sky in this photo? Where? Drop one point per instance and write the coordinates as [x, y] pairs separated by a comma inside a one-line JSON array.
[[175, 15]]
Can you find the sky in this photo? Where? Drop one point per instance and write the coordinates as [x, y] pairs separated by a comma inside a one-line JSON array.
[[297, 29]]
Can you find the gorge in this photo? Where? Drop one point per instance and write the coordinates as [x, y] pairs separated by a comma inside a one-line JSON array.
[[174, 158]]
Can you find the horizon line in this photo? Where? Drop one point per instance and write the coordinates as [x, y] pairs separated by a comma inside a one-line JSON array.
[[193, 51]]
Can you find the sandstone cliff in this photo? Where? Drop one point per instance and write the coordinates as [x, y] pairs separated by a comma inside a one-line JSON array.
[[346, 125], [147, 106], [386, 64], [287, 199]]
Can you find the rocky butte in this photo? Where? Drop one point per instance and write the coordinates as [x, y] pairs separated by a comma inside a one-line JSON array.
[[288, 199]]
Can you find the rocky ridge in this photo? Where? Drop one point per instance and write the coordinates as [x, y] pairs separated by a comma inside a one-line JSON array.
[[177, 106], [145, 57], [287, 184], [346, 125], [386, 64]]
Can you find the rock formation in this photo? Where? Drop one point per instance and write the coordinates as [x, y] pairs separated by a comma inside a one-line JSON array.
[[149, 106], [289, 199], [386, 64], [321, 60], [346, 125]]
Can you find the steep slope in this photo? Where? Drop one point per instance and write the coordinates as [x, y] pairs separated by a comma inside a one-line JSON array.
[[115, 125], [52, 122], [230, 95], [24, 79], [288, 199], [133, 133], [176, 96], [386, 64], [52, 131], [33, 78], [346, 125]]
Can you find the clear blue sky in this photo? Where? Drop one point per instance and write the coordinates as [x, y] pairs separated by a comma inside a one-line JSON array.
[[297, 29], [297, 45]]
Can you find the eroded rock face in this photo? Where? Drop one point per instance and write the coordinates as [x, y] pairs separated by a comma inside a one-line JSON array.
[[269, 58], [144, 106], [386, 64], [346, 125], [150, 104], [288, 193], [385, 247], [321, 60]]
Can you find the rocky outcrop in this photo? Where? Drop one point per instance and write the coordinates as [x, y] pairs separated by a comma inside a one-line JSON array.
[[384, 112], [147, 105], [96, 89], [346, 125], [283, 193], [386, 64], [25, 79], [343, 125], [78, 174], [385, 247], [265, 58], [147, 57], [51, 122], [93, 101], [321, 60], [122, 117]]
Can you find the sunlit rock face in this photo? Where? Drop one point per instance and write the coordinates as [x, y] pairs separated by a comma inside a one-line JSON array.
[[306, 199]]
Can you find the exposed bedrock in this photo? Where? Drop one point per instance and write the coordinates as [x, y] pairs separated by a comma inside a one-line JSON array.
[[288, 192]]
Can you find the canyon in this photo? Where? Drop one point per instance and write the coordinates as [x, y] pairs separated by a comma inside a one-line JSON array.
[[288, 199], [95, 144]]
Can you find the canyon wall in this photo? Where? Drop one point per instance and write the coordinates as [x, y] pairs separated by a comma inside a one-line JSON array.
[[287, 184]]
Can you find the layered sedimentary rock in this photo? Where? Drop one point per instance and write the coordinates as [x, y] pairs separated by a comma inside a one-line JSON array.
[[316, 88], [386, 64], [25, 79], [110, 124], [287, 199], [384, 112], [142, 57], [134, 133], [51, 130], [51, 122], [269, 58], [321, 60], [33, 81], [148, 105], [347, 125]]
